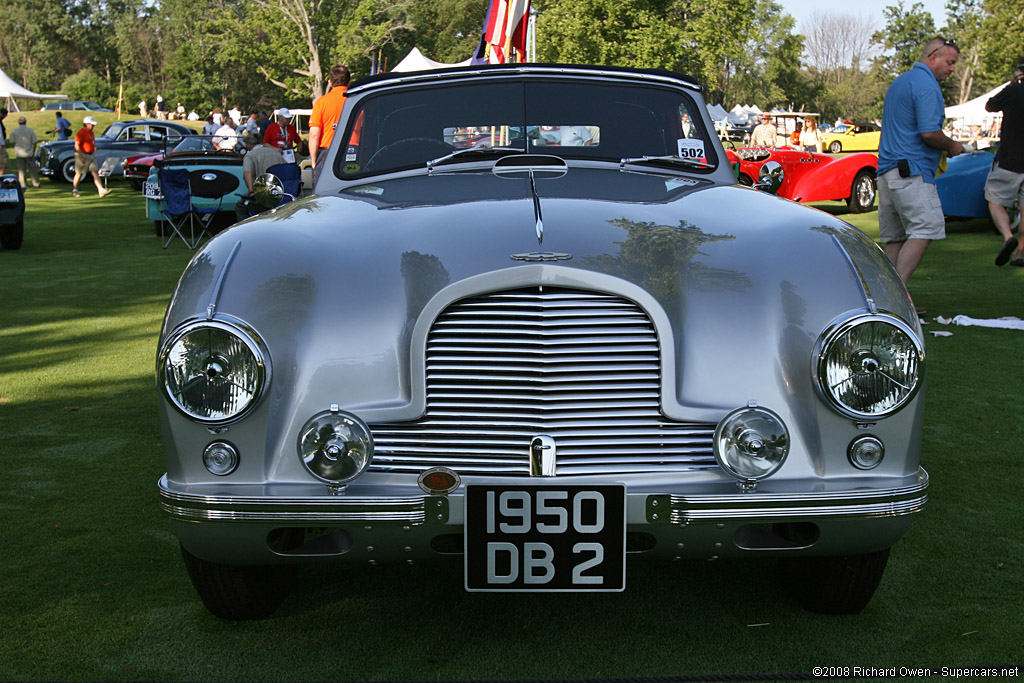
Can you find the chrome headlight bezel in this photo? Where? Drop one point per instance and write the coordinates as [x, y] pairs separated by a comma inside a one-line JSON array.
[[254, 346], [838, 332]]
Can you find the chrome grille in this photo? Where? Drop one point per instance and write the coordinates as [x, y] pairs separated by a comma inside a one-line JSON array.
[[582, 367]]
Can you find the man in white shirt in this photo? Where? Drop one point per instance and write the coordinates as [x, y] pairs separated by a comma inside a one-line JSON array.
[[764, 133]]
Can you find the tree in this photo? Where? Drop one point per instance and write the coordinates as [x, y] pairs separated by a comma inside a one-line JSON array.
[[767, 67], [639, 33], [964, 25], [834, 41], [905, 33], [1002, 27]]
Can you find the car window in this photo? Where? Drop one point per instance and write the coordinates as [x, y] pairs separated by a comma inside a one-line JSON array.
[[133, 133], [407, 128], [157, 132]]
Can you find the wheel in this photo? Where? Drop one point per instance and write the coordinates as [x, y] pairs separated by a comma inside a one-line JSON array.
[[745, 180], [836, 147], [158, 228], [11, 235], [239, 593], [836, 585], [135, 183], [862, 192], [67, 170]]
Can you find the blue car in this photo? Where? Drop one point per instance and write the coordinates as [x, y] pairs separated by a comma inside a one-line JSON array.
[[962, 187]]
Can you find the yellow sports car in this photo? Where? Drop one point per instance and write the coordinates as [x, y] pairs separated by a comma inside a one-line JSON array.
[[860, 137]]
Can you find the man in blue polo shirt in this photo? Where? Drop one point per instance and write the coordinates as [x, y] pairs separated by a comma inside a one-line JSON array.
[[909, 212]]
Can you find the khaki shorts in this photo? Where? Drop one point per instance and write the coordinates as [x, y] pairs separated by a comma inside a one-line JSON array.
[[85, 163], [1002, 187], [908, 208]]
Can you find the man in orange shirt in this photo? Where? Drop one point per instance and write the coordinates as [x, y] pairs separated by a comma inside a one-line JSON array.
[[85, 161], [326, 111]]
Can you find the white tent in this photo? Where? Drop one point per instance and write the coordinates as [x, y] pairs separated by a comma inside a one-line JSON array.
[[973, 111], [717, 112], [417, 61], [9, 90]]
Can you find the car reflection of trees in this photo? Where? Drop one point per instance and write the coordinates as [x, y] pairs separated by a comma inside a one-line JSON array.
[[660, 257]]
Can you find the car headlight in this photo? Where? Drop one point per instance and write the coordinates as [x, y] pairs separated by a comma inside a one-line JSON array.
[[213, 372], [335, 447], [751, 443], [869, 366]]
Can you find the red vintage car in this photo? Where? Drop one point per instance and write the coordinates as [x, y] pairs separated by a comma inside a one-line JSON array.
[[812, 177], [136, 168]]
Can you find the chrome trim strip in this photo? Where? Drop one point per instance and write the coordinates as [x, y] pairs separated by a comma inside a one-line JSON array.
[[863, 503], [191, 507], [211, 308], [857, 274]]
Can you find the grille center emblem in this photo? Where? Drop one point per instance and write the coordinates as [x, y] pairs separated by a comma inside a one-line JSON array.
[[542, 456], [542, 256]]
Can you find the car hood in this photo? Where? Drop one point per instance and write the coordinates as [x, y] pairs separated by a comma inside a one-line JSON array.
[[739, 283]]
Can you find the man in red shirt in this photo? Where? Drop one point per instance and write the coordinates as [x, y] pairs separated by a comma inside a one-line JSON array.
[[327, 111], [85, 161], [282, 135]]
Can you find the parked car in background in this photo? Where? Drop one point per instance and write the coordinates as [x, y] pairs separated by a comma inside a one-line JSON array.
[[813, 177], [121, 139], [74, 105], [961, 187], [550, 362], [860, 137], [12, 212], [215, 177], [137, 168]]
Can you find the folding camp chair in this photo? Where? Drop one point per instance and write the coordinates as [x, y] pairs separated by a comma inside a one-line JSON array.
[[291, 177], [175, 187]]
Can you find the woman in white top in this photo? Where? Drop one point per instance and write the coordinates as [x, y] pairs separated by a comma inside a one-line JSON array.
[[810, 138]]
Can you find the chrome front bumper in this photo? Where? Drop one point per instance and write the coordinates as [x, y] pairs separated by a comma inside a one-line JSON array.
[[281, 505]]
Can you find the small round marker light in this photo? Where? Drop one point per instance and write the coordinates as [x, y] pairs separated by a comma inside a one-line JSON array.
[[866, 452], [439, 480], [220, 458]]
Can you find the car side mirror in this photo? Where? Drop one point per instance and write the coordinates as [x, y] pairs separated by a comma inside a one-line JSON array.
[[770, 177], [268, 190]]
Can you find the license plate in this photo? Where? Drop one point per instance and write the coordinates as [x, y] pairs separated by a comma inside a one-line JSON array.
[[544, 538], [151, 190], [9, 195]]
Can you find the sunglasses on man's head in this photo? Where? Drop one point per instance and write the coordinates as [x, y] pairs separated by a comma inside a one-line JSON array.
[[945, 43]]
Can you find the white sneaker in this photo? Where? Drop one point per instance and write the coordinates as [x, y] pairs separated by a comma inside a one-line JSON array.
[[104, 192], [74, 193]]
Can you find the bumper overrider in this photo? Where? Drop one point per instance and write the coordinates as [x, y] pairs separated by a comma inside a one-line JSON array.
[[250, 524]]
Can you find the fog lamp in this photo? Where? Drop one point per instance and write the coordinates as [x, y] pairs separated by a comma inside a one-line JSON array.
[[335, 447], [865, 452], [220, 458], [751, 443]]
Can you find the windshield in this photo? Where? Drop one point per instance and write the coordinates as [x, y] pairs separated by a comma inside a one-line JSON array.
[[407, 128], [113, 130], [194, 143]]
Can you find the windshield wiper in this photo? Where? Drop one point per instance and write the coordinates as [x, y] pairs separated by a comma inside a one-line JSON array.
[[691, 163], [476, 151]]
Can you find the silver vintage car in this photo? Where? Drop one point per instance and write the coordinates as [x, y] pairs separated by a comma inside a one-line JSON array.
[[528, 318]]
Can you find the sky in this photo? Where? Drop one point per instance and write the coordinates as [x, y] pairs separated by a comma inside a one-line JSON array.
[[801, 10]]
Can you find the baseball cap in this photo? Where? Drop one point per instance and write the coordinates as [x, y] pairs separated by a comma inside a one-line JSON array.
[[89, 119], [285, 112]]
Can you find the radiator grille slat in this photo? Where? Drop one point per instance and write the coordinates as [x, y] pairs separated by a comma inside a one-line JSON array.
[[582, 367]]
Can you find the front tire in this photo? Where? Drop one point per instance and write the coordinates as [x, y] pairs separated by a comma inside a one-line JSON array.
[[836, 147], [11, 235], [836, 585], [67, 170], [745, 180], [862, 192], [239, 593]]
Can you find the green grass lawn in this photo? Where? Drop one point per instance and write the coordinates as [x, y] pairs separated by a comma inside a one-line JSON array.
[[92, 587]]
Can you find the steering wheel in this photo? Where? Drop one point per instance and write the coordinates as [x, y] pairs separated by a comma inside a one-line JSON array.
[[410, 151]]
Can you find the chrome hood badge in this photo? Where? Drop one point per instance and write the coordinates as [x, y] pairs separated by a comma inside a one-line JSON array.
[[541, 256]]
